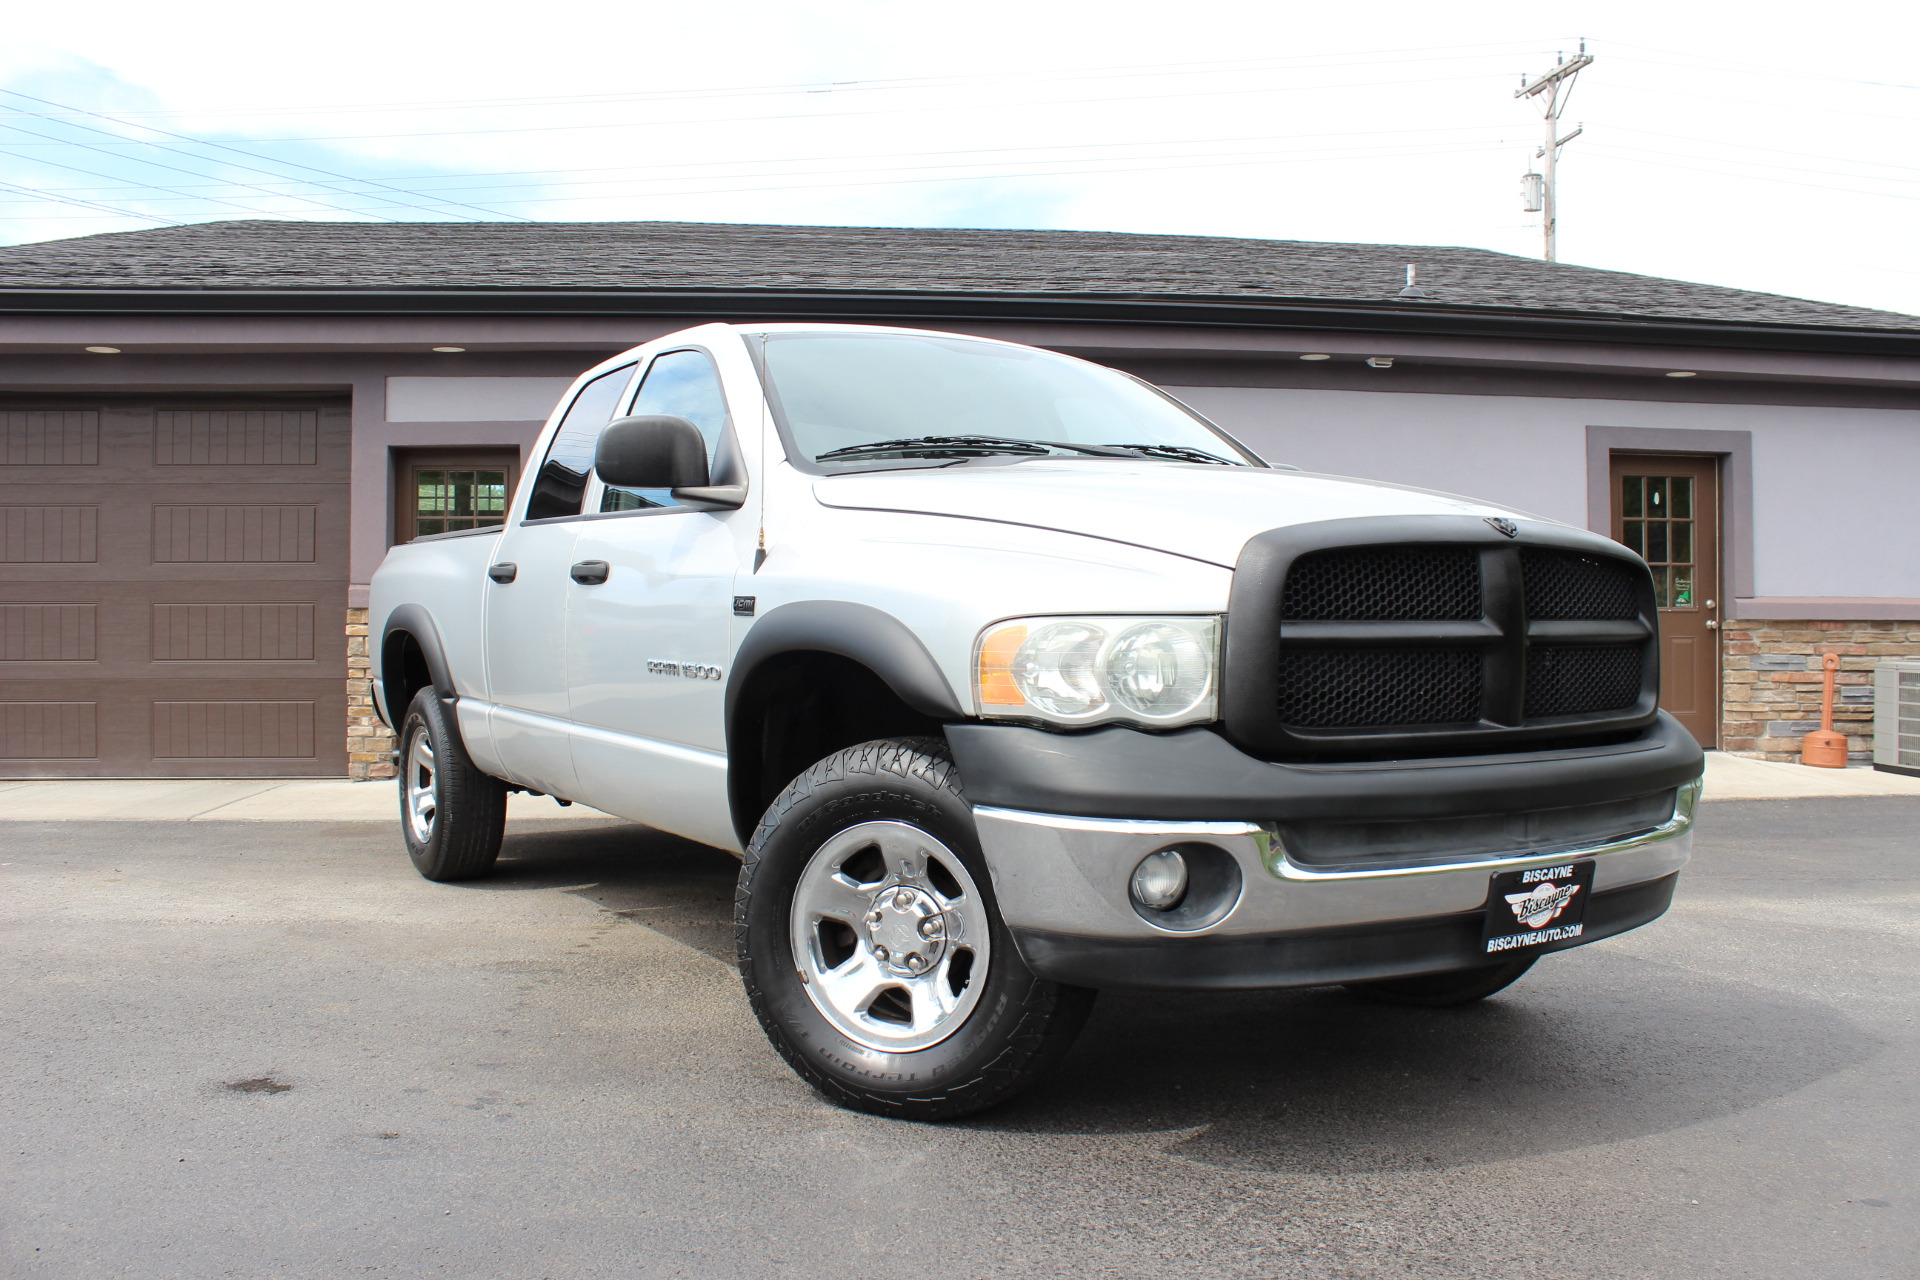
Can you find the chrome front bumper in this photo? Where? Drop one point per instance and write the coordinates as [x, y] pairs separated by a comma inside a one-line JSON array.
[[1060, 875]]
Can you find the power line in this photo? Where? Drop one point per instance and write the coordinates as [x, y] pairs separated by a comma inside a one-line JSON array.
[[84, 204], [94, 173], [816, 117], [1694, 165], [84, 146], [881, 158], [1305, 62], [219, 146]]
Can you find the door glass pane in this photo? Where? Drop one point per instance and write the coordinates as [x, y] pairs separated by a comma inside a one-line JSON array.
[[1657, 541], [1656, 495], [1630, 497], [1660, 586], [1682, 540], [1682, 586], [686, 385], [562, 480], [1630, 533], [1682, 497]]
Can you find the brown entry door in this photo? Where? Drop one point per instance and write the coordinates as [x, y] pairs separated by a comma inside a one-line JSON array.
[[1667, 508]]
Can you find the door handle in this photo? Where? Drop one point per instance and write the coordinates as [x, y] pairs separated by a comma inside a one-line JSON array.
[[502, 573], [1712, 625], [591, 573]]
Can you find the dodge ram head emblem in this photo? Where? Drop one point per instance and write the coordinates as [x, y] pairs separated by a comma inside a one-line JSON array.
[[1504, 525]]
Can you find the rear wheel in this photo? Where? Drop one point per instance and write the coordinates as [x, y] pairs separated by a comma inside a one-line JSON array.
[[452, 816], [872, 948], [1438, 990]]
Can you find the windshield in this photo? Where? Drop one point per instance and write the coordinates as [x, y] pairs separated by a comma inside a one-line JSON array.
[[858, 399]]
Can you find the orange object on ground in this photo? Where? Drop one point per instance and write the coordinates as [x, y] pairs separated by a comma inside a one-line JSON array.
[[1823, 748]]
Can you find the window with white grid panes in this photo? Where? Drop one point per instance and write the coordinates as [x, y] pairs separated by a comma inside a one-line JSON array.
[[446, 500], [1657, 520]]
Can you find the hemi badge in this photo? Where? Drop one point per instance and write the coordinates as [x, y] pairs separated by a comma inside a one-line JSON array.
[[1502, 525], [743, 606]]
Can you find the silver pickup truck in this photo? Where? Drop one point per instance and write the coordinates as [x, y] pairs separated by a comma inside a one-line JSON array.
[[1012, 678]]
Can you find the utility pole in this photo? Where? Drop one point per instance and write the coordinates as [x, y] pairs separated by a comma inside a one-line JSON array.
[[1557, 85]]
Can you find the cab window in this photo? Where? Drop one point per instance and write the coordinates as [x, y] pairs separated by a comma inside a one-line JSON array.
[[686, 385], [561, 483]]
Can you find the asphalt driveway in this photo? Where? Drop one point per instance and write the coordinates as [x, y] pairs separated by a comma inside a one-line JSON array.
[[553, 1073]]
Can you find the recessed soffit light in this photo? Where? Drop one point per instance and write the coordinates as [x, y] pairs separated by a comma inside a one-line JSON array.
[[1680, 373], [105, 351], [449, 348], [1379, 362], [1316, 356]]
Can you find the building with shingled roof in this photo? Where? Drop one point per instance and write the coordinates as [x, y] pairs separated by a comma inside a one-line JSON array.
[[210, 435]]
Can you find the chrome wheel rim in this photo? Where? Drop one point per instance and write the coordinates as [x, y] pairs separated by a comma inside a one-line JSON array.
[[890, 936], [417, 785]]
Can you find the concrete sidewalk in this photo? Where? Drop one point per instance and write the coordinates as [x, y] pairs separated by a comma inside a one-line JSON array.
[[1738, 778], [315, 800], [335, 800]]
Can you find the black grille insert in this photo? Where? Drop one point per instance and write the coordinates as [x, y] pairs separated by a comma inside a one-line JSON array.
[[1571, 680], [1563, 586], [1380, 584], [1329, 688]]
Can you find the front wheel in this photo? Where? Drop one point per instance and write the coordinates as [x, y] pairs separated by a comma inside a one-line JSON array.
[[872, 948], [452, 816]]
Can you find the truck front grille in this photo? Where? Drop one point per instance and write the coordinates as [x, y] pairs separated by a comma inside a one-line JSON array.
[[1574, 680], [1377, 584], [1327, 688], [1564, 586], [1426, 638]]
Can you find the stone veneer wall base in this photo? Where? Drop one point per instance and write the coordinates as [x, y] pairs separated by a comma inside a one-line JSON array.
[[369, 742], [1772, 677]]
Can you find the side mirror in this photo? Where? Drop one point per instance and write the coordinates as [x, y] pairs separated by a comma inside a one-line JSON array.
[[652, 451]]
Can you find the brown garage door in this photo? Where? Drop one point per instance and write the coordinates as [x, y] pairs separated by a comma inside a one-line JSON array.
[[173, 589]]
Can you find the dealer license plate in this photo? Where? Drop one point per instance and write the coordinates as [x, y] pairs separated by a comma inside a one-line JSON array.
[[1529, 909]]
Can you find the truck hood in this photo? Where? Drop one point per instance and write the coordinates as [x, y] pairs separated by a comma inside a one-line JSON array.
[[1202, 512]]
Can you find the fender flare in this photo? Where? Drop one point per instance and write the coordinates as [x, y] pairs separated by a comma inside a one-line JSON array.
[[876, 640], [861, 633], [417, 623]]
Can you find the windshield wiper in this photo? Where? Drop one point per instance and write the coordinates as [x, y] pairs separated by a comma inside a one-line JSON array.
[[1176, 453], [940, 447]]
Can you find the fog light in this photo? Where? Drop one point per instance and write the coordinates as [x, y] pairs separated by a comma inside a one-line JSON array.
[[1160, 881]]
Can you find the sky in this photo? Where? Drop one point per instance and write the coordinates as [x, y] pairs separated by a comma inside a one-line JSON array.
[[1760, 146]]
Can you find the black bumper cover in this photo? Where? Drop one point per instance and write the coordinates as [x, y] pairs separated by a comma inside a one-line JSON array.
[[1319, 957], [1195, 774]]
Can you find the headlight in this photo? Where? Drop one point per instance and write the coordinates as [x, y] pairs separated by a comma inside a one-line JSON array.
[[1156, 672]]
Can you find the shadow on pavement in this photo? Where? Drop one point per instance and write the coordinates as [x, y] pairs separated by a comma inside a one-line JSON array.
[[1321, 1082], [1586, 1050], [672, 886]]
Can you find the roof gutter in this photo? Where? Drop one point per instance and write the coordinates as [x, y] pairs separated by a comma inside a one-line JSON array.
[[894, 307]]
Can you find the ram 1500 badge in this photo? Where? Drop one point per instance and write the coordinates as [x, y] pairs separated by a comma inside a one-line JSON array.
[[1010, 678]]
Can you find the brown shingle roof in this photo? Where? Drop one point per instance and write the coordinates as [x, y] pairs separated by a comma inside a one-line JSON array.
[[677, 256]]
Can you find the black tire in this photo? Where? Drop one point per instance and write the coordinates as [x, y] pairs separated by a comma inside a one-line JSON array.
[[1016, 1026], [469, 808], [1439, 990]]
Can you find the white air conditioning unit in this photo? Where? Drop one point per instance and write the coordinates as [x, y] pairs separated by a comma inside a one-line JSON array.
[[1896, 717]]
